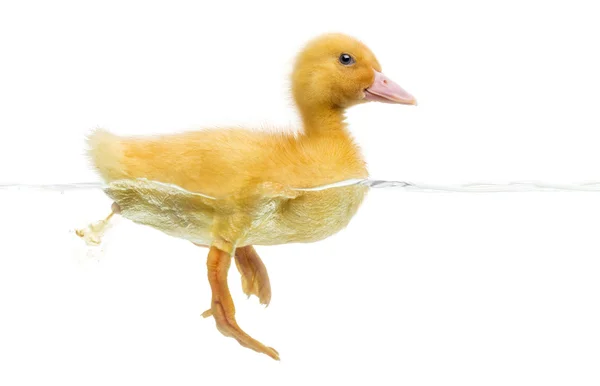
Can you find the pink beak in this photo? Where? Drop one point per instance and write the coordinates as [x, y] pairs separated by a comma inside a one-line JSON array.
[[386, 90]]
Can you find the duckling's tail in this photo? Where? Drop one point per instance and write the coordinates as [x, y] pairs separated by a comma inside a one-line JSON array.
[[105, 151]]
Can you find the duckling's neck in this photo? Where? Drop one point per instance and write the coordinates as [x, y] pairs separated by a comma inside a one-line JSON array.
[[324, 121], [325, 131]]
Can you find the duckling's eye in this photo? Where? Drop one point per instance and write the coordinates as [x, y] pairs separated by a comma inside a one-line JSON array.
[[346, 59]]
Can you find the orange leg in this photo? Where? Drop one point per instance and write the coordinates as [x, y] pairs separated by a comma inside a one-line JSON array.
[[222, 307], [255, 279]]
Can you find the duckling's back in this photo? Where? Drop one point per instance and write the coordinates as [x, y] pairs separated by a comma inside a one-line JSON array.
[[219, 162], [211, 161]]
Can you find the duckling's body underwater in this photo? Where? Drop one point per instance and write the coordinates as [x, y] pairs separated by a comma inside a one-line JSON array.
[[230, 189]]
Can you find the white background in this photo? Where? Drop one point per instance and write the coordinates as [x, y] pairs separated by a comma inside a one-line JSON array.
[[420, 289]]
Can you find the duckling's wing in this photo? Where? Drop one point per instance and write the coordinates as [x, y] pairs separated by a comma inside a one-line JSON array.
[[275, 190]]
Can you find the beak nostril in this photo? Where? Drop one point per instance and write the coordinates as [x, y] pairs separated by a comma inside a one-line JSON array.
[[384, 89]]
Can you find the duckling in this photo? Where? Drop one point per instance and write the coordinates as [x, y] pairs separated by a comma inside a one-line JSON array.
[[231, 189]]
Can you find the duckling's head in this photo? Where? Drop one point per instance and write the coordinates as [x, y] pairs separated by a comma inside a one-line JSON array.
[[338, 71]]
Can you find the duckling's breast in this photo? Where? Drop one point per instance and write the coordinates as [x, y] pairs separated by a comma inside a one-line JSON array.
[[313, 216]]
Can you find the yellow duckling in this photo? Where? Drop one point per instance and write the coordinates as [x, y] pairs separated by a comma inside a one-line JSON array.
[[230, 189]]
